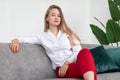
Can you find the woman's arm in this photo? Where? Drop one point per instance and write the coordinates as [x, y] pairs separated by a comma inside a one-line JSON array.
[[75, 43], [14, 45], [31, 40]]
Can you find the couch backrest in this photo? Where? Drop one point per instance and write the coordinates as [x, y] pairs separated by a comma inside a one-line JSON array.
[[30, 63], [90, 46]]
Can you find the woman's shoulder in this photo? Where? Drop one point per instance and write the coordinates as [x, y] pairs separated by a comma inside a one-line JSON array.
[[41, 34]]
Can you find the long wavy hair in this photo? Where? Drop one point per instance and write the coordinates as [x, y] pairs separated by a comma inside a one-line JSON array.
[[62, 26]]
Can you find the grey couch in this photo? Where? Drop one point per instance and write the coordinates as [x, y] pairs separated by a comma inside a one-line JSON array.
[[32, 63]]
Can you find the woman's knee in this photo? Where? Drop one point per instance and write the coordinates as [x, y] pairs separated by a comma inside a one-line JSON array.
[[84, 52]]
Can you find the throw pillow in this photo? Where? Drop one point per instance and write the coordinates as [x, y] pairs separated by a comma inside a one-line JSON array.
[[103, 61], [114, 53]]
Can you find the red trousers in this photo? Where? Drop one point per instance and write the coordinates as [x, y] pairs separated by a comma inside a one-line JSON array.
[[84, 63]]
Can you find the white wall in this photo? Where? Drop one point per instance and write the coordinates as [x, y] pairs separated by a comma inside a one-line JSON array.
[[4, 21], [25, 17], [99, 9]]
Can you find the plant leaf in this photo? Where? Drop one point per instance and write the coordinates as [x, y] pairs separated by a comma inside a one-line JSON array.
[[114, 10], [117, 2], [112, 31], [99, 34]]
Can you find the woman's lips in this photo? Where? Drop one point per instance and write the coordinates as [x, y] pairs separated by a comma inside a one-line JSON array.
[[55, 21]]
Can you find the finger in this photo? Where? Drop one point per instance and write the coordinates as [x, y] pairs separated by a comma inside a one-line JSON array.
[[14, 48], [17, 48], [61, 73], [11, 47], [11, 44]]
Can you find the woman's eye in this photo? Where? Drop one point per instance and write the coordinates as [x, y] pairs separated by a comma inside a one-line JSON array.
[[59, 16], [53, 15]]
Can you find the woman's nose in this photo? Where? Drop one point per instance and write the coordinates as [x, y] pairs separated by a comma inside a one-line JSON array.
[[56, 18]]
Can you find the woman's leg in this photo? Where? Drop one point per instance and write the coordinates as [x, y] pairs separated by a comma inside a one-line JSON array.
[[86, 64], [89, 75], [83, 68]]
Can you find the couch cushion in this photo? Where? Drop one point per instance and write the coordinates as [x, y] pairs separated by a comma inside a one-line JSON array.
[[103, 76], [109, 76], [114, 53], [103, 61]]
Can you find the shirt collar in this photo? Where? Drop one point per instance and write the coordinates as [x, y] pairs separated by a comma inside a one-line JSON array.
[[51, 34]]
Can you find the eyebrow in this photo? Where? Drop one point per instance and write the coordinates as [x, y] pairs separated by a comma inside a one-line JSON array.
[[55, 13]]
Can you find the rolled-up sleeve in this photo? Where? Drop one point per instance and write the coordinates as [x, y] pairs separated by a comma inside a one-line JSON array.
[[76, 49], [31, 40]]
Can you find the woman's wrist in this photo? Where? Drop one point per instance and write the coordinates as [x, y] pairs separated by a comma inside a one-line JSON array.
[[67, 63]]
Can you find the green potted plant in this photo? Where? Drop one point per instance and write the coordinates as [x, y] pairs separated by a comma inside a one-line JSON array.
[[111, 34]]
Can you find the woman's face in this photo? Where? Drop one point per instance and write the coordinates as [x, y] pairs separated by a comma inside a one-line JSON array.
[[54, 17]]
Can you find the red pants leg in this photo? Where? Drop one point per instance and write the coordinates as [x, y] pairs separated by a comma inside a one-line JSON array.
[[84, 63]]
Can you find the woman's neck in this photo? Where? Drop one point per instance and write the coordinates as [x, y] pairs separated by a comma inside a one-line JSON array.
[[54, 30]]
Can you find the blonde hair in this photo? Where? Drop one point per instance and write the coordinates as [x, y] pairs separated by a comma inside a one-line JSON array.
[[63, 26]]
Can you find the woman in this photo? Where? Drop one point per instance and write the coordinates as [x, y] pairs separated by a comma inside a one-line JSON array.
[[62, 46]]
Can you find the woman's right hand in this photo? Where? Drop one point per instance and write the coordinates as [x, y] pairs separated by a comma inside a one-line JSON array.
[[14, 45]]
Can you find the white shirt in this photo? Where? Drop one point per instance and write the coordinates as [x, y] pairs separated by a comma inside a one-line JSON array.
[[57, 48]]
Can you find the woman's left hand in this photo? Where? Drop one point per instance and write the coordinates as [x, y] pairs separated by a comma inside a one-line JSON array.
[[62, 70]]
